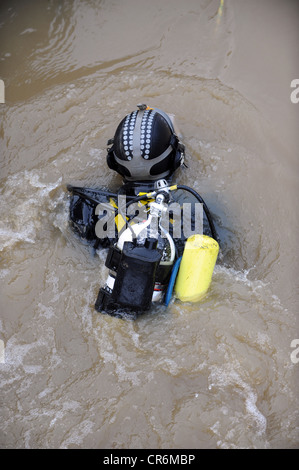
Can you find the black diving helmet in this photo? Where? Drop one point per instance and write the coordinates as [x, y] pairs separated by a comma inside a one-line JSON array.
[[145, 146]]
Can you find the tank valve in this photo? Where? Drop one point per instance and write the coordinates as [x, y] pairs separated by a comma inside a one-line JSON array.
[[142, 107]]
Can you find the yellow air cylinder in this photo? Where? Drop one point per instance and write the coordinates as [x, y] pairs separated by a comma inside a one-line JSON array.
[[196, 268]]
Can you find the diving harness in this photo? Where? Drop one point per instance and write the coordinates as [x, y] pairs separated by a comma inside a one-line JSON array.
[[143, 263]]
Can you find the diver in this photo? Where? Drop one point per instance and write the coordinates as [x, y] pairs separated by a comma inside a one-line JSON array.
[[147, 224]]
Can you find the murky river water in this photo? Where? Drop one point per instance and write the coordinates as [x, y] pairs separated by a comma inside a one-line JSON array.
[[216, 374]]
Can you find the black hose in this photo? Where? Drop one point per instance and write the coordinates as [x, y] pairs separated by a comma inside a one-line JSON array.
[[102, 192], [205, 207]]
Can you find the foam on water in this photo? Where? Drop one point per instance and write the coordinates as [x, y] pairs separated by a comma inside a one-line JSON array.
[[226, 376], [26, 200]]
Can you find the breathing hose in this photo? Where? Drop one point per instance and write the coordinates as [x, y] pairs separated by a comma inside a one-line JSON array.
[[205, 207]]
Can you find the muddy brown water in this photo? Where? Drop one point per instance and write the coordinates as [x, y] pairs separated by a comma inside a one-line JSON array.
[[215, 374]]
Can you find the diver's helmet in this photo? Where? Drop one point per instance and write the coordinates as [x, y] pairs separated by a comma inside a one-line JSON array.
[[145, 146]]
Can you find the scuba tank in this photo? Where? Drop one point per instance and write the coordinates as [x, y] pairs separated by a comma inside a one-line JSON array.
[[140, 263], [196, 268]]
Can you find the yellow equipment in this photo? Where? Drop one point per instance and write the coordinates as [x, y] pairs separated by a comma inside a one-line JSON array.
[[196, 268]]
